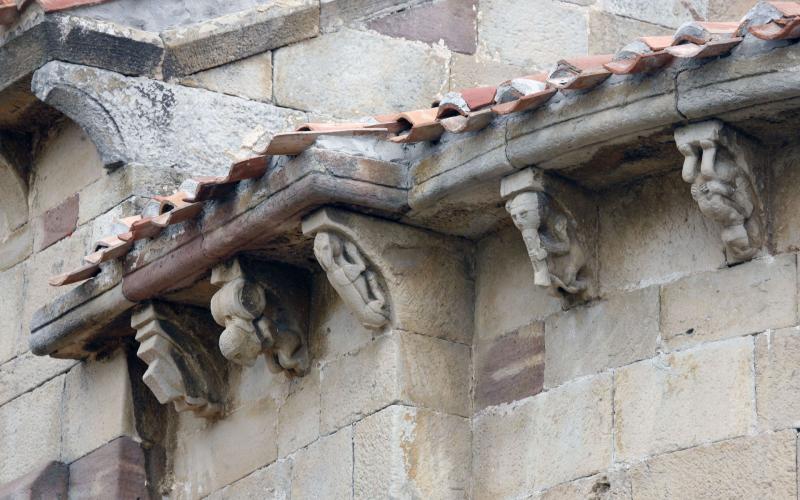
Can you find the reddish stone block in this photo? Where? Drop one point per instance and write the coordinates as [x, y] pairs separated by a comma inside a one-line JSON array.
[[511, 367], [49, 482], [115, 470], [454, 21], [57, 223]]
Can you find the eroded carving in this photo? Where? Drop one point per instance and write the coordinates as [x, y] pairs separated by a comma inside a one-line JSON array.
[[550, 233], [718, 167], [349, 275], [183, 366], [257, 319]]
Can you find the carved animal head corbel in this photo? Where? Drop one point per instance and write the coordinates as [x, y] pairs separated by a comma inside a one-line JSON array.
[[178, 344], [555, 242], [718, 165], [390, 275], [262, 312]]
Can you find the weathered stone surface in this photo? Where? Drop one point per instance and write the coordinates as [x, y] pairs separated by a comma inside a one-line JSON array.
[[154, 123], [608, 334], [749, 467], [335, 14], [609, 33], [510, 367], [49, 481], [98, 406], [777, 379], [210, 456], [30, 430], [684, 399], [14, 196], [525, 33], [325, 468], [273, 482], [403, 452], [551, 438], [670, 13], [236, 36], [745, 299], [56, 223], [784, 205], [53, 183], [115, 470], [26, 372], [411, 74], [11, 297], [653, 232], [728, 10], [334, 330], [468, 71], [506, 297], [298, 417], [16, 247], [451, 21], [250, 78], [611, 485], [397, 367]]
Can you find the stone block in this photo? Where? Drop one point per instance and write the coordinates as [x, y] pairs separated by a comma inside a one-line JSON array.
[[684, 399], [250, 78], [777, 379], [98, 406], [67, 144], [49, 481], [335, 331], [653, 232], [30, 430], [16, 247], [450, 21], [403, 452], [411, 74], [606, 334], [670, 13], [325, 468], [273, 482], [745, 299], [728, 10], [510, 367], [611, 485], [215, 42], [468, 71], [397, 367], [524, 33], [56, 223], [750, 467], [609, 33], [506, 297], [211, 455], [26, 372], [11, 300], [548, 439], [335, 14], [785, 207], [115, 470], [298, 417]]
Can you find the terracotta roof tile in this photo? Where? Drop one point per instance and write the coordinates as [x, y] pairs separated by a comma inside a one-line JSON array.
[[458, 112]]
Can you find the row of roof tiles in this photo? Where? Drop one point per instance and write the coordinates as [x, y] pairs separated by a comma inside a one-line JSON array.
[[457, 112], [10, 9]]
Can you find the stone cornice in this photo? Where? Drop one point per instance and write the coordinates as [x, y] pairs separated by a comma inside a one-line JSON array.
[[581, 136]]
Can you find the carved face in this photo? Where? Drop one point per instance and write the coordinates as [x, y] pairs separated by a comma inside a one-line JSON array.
[[524, 211]]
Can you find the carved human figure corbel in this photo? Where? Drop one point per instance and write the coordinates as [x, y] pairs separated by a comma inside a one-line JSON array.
[[550, 232], [257, 320], [718, 166], [183, 365], [349, 275]]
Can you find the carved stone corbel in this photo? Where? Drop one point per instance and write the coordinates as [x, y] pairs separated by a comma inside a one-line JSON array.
[[263, 310], [556, 244], [719, 166], [392, 275], [183, 364]]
